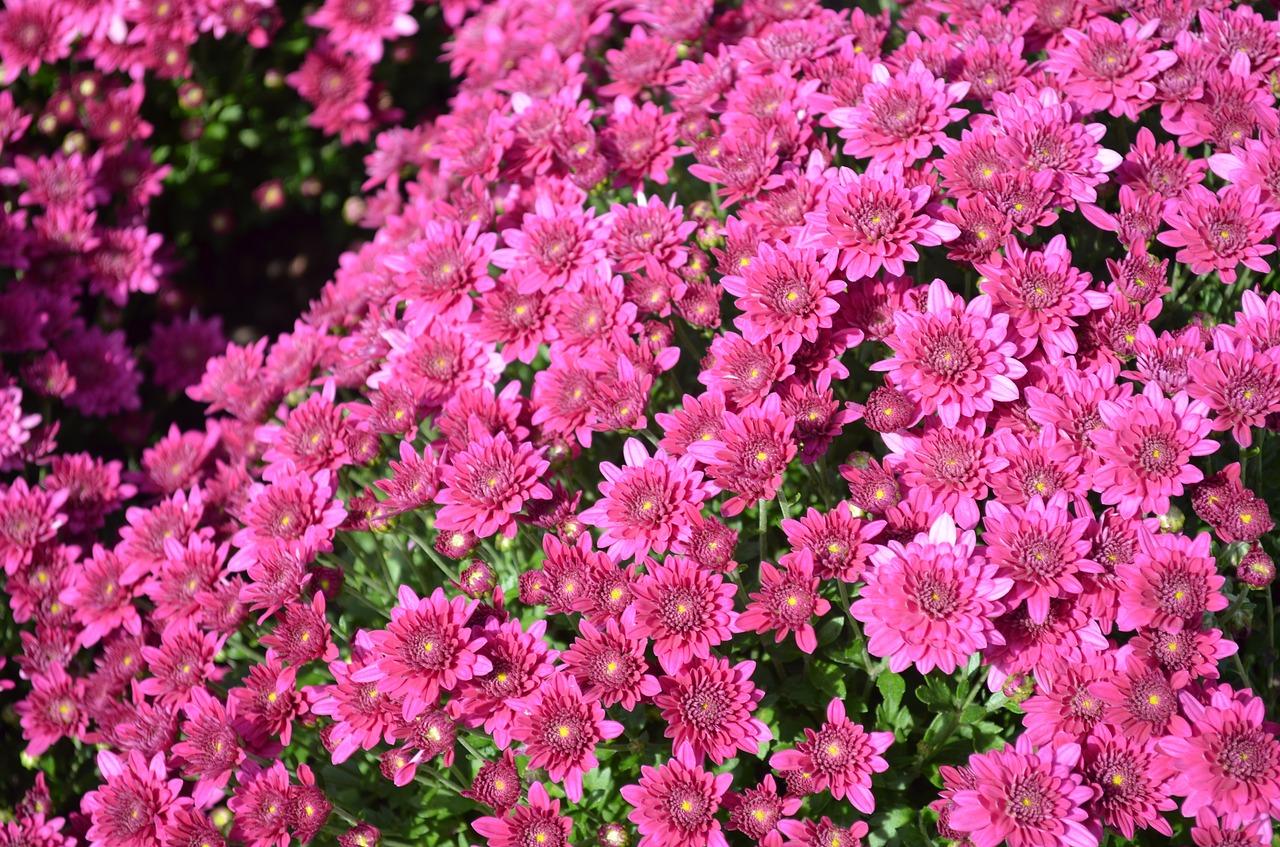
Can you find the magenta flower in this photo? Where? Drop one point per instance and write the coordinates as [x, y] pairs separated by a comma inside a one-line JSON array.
[[610, 665], [833, 545], [521, 665], [261, 806], [1131, 780], [1239, 384], [1227, 758], [486, 485], [294, 508], [1170, 584], [931, 602], [953, 464], [785, 296], [872, 222], [1043, 295], [425, 649], [675, 805], [539, 822], [1110, 66], [555, 249], [101, 597], [760, 813], [648, 504], [134, 801], [708, 706], [787, 602], [560, 729], [360, 26], [1218, 232], [685, 609], [954, 357], [1146, 449], [1025, 799], [841, 756], [1042, 548], [750, 454], [1254, 164], [901, 117]]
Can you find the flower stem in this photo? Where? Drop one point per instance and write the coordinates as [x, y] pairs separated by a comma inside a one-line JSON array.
[[763, 506]]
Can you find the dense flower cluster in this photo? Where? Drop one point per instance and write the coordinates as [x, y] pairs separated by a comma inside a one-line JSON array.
[[710, 378]]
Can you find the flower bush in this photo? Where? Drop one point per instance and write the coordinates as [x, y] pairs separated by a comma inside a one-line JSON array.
[[738, 423]]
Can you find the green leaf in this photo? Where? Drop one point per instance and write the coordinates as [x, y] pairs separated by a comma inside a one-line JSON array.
[[892, 686], [829, 679]]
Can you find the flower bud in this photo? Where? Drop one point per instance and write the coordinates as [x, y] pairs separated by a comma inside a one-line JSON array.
[[1256, 569], [613, 835], [1172, 520]]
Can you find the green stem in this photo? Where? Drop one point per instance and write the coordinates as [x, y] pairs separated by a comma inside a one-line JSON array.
[[763, 507], [948, 729]]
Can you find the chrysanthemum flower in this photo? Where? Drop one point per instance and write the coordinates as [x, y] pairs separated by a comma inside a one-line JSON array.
[[1110, 66], [931, 602], [901, 117], [1025, 799], [555, 248], [135, 800], [953, 357], [610, 665], [1227, 758], [1142, 702], [759, 812], [539, 822], [1170, 584], [841, 756], [1042, 294], [833, 545], [1068, 707], [685, 609], [1239, 384], [1132, 781], [520, 663], [1219, 232], [708, 706], [425, 649], [872, 222], [487, 484], [674, 805], [560, 729], [787, 602], [785, 295], [750, 454], [648, 504], [1146, 449], [1042, 548], [101, 597], [360, 26], [261, 805], [294, 508]]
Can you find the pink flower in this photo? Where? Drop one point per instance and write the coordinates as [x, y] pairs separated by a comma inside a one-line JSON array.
[[539, 822], [1025, 799], [841, 756], [901, 117], [708, 706], [954, 465], [1218, 232], [360, 26], [295, 508], [1110, 66], [785, 295], [1146, 449], [1170, 584], [610, 664], [560, 729], [1042, 548], [675, 805], [834, 545], [648, 504], [750, 455], [101, 598], [787, 602], [1254, 164], [521, 665], [759, 812], [134, 801], [1239, 384], [1042, 294], [554, 249], [1131, 779], [931, 602], [1227, 758], [425, 649], [871, 222], [953, 358], [486, 485], [685, 609], [261, 805]]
